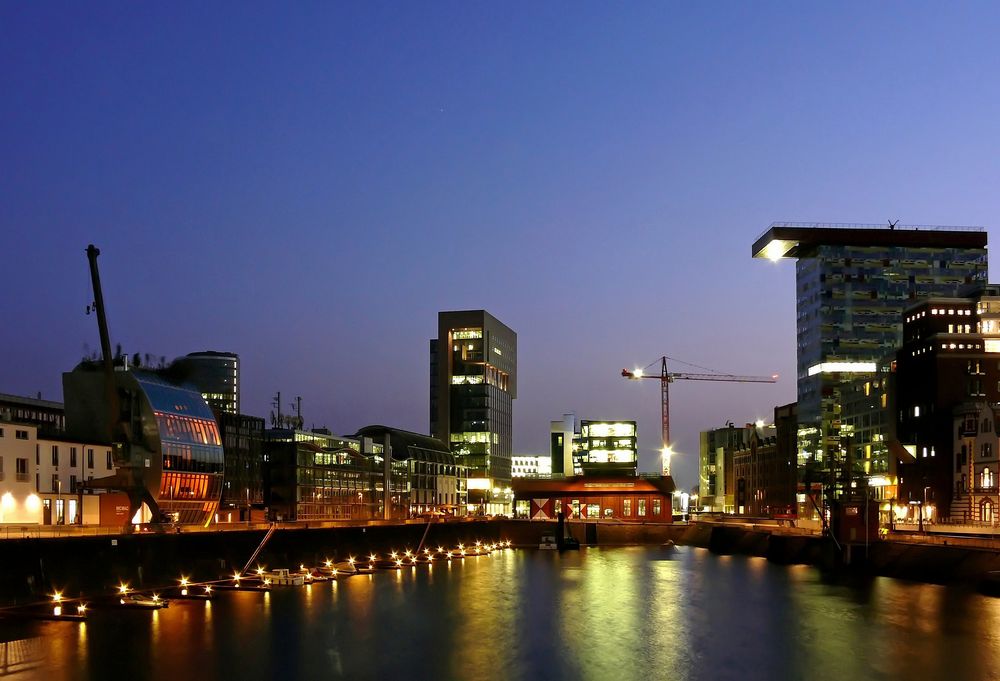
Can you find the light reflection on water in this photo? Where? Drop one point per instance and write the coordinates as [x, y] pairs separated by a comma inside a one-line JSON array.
[[612, 613]]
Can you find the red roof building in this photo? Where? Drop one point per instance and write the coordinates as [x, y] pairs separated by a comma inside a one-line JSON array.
[[625, 498]]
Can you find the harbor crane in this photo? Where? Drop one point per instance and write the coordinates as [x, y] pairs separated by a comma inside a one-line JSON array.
[[667, 377]]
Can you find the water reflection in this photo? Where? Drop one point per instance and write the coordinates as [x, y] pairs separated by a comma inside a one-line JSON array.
[[594, 614]]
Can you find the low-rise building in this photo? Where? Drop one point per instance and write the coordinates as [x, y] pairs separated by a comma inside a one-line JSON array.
[[765, 467], [42, 480], [531, 466], [717, 480], [437, 482], [317, 476], [618, 498]]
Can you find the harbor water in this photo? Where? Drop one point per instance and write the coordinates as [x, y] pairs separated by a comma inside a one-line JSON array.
[[600, 613]]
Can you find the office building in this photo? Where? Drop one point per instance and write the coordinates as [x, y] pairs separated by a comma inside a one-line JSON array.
[[317, 476], [606, 448], [717, 479], [852, 284], [531, 466], [472, 388], [243, 449], [947, 392], [436, 482], [215, 374]]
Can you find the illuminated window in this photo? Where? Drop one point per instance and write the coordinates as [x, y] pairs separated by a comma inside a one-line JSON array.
[[627, 507], [642, 508]]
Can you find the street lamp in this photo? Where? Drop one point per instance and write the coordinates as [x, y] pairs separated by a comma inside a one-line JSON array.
[[665, 455]]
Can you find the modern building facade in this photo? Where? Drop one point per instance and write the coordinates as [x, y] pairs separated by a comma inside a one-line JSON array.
[[606, 448], [473, 385], [437, 484], [562, 440], [531, 466], [215, 374], [172, 451], [317, 476], [852, 284], [243, 449], [717, 479]]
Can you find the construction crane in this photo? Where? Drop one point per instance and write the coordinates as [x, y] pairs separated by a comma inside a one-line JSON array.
[[666, 378]]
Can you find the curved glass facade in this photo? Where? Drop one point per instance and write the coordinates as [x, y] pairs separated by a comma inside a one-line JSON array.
[[192, 460]]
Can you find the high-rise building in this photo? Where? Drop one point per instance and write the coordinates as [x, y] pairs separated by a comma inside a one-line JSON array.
[[473, 384], [852, 284], [215, 374]]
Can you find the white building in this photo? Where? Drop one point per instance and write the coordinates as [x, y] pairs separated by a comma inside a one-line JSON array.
[[40, 478], [531, 466]]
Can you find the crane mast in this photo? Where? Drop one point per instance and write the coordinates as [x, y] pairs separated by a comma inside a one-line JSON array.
[[666, 378]]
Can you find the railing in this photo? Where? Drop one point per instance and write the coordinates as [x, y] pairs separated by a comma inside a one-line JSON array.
[[849, 225], [22, 477]]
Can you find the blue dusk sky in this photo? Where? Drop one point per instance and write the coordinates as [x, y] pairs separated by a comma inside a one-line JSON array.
[[308, 184]]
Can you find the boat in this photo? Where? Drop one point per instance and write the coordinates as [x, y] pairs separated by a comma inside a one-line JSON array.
[[283, 577], [548, 543], [142, 601]]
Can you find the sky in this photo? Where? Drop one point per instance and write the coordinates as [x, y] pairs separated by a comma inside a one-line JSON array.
[[308, 184]]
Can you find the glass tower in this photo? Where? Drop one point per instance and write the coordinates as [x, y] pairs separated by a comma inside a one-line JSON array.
[[473, 384], [852, 284]]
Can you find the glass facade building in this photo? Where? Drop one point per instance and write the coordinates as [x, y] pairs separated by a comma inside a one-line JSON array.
[[852, 284], [319, 476], [215, 374], [190, 448], [606, 448], [473, 385], [168, 451]]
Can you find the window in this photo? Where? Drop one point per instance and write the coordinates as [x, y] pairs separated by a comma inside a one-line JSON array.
[[986, 479], [642, 508], [109, 460], [90, 458], [987, 450], [55, 483], [656, 507], [72, 483], [627, 507], [21, 434], [1, 432], [916, 411], [72, 457], [21, 466], [55, 455]]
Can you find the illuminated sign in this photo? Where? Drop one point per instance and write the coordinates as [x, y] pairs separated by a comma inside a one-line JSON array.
[[844, 368], [478, 483], [609, 430], [992, 344]]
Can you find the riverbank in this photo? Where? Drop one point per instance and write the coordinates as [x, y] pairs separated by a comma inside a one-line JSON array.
[[33, 567]]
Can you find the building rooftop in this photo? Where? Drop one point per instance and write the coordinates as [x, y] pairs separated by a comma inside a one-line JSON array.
[[29, 401], [785, 239]]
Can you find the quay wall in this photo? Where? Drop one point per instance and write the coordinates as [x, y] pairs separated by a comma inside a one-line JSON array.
[[31, 568]]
